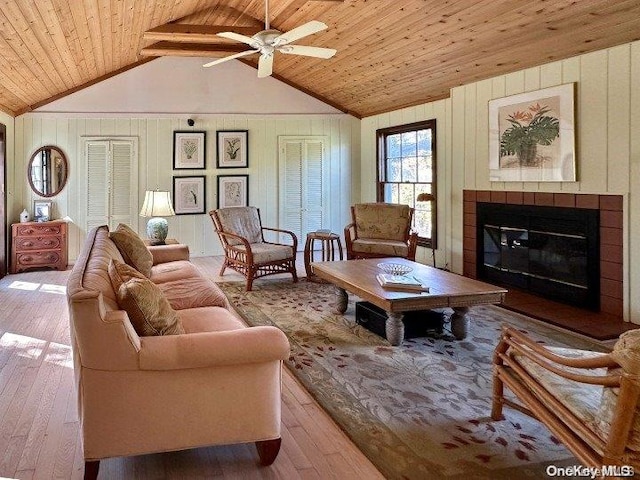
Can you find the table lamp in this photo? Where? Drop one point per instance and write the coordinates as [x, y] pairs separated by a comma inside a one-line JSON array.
[[428, 197], [157, 204]]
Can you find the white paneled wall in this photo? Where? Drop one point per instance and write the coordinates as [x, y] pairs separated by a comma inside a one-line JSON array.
[[155, 164], [607, 144]]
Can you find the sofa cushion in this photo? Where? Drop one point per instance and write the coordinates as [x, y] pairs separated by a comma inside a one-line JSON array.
[[268, 252], [149, 311], [242, 221], [209, 319], [120, 273], [193, 292], [391, 248], [582, 399], [171, 271], [382, 220], [133, 249]]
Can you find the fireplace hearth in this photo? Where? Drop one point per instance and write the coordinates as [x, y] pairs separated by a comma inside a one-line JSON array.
[[550, 251]]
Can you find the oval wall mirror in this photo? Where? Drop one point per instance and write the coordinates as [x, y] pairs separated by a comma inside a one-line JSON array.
[[47, 171]]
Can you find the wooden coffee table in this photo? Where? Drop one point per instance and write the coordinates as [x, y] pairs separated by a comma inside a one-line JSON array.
[[445, 290]]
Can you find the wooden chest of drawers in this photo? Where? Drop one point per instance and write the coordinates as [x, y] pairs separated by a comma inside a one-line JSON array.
[[38, 244]]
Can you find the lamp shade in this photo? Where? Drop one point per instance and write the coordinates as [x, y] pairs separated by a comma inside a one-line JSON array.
[[157, 204], [425, 197]]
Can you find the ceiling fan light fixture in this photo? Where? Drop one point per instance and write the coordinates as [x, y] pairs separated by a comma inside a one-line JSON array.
[[268, 41]]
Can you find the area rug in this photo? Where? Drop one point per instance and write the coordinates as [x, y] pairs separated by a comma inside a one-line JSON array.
[[418, 411]]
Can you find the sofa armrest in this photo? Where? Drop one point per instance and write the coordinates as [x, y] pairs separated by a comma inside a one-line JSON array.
[[512, 343], [209, 349], [169, 253]]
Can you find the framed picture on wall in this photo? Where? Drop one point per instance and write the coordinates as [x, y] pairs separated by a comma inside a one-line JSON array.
[[232, 147], [531, 136], [189, 195], [189, 150], [233, 191]]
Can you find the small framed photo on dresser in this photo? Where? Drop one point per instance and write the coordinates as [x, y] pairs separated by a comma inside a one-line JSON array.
[[42, 210]]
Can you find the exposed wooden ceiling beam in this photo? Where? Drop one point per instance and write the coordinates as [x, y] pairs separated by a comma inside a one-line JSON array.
[[178, 32], [178, 49]]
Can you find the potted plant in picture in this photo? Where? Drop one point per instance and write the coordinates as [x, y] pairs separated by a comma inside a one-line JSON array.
[[189, 147], [233, 145], [528, 130]]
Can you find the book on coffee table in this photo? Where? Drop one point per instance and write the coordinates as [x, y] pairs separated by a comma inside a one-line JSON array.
[[402, 283]]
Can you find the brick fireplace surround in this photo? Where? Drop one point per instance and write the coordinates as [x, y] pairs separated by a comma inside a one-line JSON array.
[[610, 207]]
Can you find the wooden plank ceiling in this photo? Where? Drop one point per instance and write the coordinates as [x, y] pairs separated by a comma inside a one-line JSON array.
[[391, 53]]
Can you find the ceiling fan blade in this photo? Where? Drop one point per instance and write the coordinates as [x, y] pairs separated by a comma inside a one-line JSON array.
[[230, 57], [237, 37], [318, 52], [299, 32], [265, 66]]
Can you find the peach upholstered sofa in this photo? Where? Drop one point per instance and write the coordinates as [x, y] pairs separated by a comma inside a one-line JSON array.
[[219, 382]]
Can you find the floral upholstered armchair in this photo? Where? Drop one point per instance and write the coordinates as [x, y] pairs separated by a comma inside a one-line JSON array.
[[245, 250], [588, 400], [380, 230]]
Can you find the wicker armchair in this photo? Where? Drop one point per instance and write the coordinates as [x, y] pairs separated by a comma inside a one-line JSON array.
[[245, 250], [380, 230], [588, 400]]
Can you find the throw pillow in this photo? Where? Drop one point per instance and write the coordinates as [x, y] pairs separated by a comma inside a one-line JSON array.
[[133, 249], [148, 309], [120, 273]]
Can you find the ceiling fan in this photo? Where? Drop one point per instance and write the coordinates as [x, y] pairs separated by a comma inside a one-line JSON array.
[[269, 41]]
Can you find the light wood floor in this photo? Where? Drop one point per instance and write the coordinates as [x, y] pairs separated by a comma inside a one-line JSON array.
[[39, 429]]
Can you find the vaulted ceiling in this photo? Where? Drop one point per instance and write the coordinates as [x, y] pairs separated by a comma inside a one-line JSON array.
[[391, 53]]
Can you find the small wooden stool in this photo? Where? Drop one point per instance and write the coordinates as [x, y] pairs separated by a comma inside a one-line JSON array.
[[329, 242]]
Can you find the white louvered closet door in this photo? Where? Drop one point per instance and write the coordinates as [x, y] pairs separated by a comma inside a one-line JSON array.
[[111, 183], [303, 192]]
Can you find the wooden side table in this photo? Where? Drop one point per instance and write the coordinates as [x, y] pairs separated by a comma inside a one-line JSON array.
[[328, 243]]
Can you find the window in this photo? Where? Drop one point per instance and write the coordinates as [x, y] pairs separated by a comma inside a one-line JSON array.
[[406, 168]]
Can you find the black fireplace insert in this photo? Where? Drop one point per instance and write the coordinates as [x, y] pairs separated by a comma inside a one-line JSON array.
[[550, 251]]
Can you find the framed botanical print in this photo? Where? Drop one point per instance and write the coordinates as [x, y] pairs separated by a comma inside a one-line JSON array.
[[233, 191], [189, 195], [232, 147], [531, 136], [189, 150]]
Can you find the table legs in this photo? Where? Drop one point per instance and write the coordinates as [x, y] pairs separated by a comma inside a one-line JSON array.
[[460, 323], [342, 300], [394, 328]]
